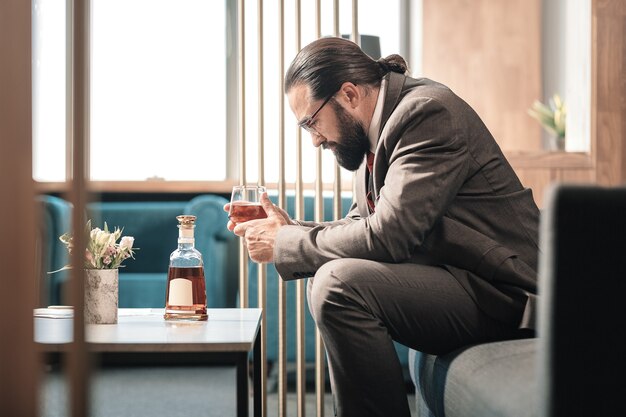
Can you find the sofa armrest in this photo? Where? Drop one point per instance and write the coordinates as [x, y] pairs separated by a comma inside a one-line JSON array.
[[55, 217], [218, 247], [582, 278]]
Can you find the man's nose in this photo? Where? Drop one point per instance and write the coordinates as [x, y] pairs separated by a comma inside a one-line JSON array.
[[317, 139]]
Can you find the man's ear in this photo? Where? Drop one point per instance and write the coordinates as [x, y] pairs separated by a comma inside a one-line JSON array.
[[349, 94]]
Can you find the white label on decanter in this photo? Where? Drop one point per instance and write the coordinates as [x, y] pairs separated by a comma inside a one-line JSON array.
[[181, 292]]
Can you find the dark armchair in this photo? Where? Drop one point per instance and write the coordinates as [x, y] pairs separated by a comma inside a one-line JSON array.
[[577, 365]]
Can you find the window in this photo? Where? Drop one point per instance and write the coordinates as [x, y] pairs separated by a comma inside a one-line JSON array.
[[163, 86], [158, 90], [49, 87]]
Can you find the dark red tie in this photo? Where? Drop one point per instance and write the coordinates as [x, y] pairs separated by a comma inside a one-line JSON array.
[[370, 167], [370, 162]]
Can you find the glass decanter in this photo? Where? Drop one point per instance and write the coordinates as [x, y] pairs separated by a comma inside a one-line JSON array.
[[185, 297]]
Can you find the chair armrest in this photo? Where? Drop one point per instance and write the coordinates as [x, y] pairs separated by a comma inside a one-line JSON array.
[[582, 277]]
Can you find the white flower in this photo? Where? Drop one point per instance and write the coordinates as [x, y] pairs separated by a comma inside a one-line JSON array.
[[102, 250], [94, 233], [127, 242], [101, 238]]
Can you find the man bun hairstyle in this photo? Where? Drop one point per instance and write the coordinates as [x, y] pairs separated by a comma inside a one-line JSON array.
[[325, 64], [393, 63]]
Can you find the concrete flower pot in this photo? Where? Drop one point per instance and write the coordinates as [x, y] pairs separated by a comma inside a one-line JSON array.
[[101, 296]]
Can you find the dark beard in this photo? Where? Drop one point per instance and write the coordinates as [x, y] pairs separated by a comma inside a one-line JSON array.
[[354, 141]]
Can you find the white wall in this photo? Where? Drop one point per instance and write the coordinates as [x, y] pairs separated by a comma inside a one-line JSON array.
[[566, 64]]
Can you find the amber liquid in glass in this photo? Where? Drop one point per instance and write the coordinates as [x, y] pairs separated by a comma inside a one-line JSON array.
[[242, 211], [185, 296]]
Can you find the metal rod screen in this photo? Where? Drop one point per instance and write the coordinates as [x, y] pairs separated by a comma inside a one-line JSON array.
[[300, 313]]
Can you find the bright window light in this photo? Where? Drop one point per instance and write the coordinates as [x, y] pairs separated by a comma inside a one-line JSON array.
[[158, 90], [48, 90], [159, 87]]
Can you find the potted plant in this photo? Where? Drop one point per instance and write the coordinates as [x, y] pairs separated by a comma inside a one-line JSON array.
[[552, 119], [103, 258]]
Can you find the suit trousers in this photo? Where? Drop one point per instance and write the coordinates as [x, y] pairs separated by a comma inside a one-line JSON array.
[[360, 306]]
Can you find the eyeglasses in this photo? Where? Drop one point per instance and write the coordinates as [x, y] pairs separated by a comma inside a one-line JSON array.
[[307, 122]]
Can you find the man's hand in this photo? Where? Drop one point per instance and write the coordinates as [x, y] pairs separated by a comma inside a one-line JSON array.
[[260, 235], [231, 225]]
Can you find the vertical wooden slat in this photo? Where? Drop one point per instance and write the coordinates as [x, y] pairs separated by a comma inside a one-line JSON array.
[[355, 22], [18, 358], [337, 181], [593, 117], [300, 330], [320, 366], [407, 30], [69, 88], [262, 271], [336, 18], [78, 359], [282, 203], [241, 51]]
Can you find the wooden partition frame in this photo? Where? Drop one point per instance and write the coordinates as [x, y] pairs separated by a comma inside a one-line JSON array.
[[79, 66], [19, 361], [19, 364]]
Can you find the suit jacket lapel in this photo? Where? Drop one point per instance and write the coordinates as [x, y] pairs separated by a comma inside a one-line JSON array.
[[392, 96], [395, 83]]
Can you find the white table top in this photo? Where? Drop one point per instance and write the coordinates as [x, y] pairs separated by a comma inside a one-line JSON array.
[[145, 330]]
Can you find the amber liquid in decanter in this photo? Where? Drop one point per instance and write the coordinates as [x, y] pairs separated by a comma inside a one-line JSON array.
[[188, 294], [185, 294]]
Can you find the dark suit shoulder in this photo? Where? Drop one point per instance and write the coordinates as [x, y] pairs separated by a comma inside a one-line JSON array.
[[425, 87]]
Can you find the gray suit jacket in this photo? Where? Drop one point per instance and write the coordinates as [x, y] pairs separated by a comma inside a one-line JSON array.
[[444, 194]]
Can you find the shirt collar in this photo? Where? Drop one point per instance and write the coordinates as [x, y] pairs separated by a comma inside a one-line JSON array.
[[373, 131]]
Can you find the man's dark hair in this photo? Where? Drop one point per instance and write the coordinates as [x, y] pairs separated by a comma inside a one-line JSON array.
[[325, 64]]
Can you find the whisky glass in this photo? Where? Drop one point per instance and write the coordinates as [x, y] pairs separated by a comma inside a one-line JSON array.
[[245, 203]]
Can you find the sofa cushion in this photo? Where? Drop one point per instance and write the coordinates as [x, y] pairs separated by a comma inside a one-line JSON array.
[[491, 379], [50, 251], [153, 224]]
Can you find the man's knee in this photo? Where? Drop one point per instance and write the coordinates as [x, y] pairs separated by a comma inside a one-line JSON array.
[[331, 288]]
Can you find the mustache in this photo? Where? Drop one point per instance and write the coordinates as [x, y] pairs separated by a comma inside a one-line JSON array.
[[328, 144]]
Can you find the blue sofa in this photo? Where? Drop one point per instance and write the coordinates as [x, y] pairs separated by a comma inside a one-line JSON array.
[[153, 225], [576, 366]]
